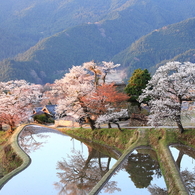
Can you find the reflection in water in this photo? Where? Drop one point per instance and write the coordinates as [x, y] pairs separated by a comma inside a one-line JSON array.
[[78, 175], [29, 142], [143, 169], [61, 166], [184, 157], [55, 155]]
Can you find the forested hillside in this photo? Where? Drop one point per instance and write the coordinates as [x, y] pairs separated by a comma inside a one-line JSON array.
[[70, 32], [24, 22], [173, 42]]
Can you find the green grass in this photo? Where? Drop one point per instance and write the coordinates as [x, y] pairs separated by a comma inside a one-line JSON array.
[[8, 158], [111, 137], [3, 141], [3, 137]]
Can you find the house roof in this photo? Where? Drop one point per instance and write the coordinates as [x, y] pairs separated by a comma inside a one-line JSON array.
[[38, 113], [50, 108], [37, 109]]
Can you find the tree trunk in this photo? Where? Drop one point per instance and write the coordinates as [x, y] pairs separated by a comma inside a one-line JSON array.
[[91, 123], [90, 156], [178, 117], [109, 125], [108, 163], [181, 129], [180, 126], [103, 171], [118, 126]]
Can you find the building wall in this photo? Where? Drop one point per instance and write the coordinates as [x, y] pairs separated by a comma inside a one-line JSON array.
[[64, 123]]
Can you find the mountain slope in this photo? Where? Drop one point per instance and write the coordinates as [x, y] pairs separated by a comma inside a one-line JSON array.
[[160, 45], [25, 22], [32, 20], [121, 22]]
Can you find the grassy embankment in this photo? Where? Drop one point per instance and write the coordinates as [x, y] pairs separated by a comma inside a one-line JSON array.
[[110, 137], [158, 139], [3, 140], [7, 155], [119, 140], [9, 160]]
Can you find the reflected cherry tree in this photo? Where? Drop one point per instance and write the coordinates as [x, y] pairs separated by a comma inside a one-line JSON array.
[[29, 139], [78, 175], [155, 190], [188, 178]]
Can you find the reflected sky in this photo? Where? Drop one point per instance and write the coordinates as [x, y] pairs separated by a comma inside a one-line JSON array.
[[60, 165], [187, 162], [40, 176], [184, 159]]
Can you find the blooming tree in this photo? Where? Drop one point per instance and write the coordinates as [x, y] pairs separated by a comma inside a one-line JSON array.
[[100, 70], [83, 94], [74, 86], [105, 103], [48, 97], [104, 99], [171, 85], [112, 118], [108, 67], [16, 100]]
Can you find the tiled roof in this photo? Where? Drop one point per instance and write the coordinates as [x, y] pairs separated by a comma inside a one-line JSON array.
[[37, 109], [51, 109]]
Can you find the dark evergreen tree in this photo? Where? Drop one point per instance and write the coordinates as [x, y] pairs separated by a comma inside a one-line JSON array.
[[136, 84], [142, 168]]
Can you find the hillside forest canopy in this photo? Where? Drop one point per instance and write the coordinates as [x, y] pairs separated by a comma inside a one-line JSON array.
[[40, 41]]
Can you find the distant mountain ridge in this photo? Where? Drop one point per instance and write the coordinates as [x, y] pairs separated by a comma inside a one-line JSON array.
[[117, 30], [165, 44], [25, 22]]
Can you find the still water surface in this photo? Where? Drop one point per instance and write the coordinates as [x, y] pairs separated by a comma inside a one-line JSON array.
[[185, 160], [139, 174], [62, 165]]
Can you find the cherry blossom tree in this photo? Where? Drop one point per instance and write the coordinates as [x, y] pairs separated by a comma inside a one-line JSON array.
[[48, 96], [73, 87], [95, 69], [112, 118], [105, 99], [171, 85], [83, 95], [105, 104], [108, 68], [16, 101], [100, 70]]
